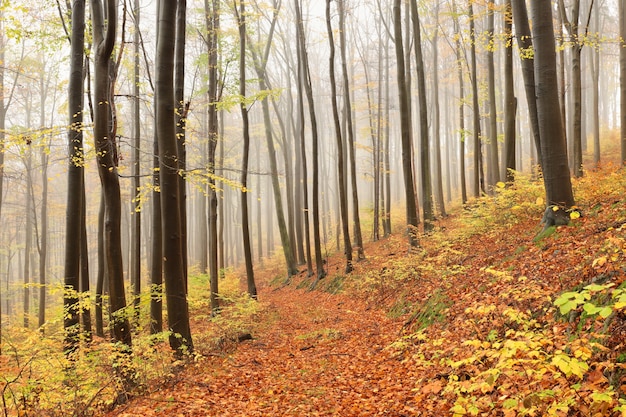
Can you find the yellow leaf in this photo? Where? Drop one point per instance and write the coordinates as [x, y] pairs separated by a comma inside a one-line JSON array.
[[500, 184], [601, 261], [539, 201], [574, 215]]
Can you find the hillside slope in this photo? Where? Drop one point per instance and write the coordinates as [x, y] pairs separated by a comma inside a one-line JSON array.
[[465, 325]]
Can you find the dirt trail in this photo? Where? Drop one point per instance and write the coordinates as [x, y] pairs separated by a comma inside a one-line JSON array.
[[315, 354]]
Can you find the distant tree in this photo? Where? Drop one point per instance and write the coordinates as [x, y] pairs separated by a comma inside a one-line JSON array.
[[358, 236], [426, 180], [556, 175], [462, 133], [436, 110], [493, 153], [212, 15], [341, 164], [135, 259], [405, 128], [510, 102], [305, 79], [524, 42], [571, 24], [303, 85], [622, 78], [260, 66], [245, 221], [173, 269], [479, 175]]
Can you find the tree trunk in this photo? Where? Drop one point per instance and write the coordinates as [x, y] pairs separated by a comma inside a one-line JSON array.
[[358, 237], [181, 120], [135, 269], [106, 147], [524, 41], [28, 235], [622, 79], [438, 192], [479, 177], [302, 82], [212, 25], [510, 102], [426, 183], [462, 134], [571, 24], [260, 68], [173, 268], [341, 165], [74, 177], [405, 126], [245, 222], [556, 174]]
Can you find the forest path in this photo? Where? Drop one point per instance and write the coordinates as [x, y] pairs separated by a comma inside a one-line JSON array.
[[313, 354]]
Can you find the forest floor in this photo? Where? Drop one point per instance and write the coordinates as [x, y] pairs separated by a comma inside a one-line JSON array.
[[488, 317]]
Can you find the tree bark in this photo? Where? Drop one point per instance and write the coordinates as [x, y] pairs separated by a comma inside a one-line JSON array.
[[74, 178], [524, 41], [245, 222], [173, 268], [556, 174], [106, 151], [426, 183], [341, 165], [405, 126], [510, 102], [212, 24]]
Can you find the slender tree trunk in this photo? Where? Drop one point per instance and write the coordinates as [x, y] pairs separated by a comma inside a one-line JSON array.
[[304, 198], [135, 269], [28, 236], [181, 120], [341, 165], [74, 175], [405, 126], [510, 102], [245, 222], [438, 193], [462, 133], [594, 60], [622, 79], [479, 177], [571, 25], [358, 237], [426, 183], [101, 279], [212, 24], [106, 147], [524, 41], [85, 311], [494, 165], [43, 246]]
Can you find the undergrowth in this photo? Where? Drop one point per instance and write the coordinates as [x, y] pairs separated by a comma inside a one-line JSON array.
[[37, 379], [503, 320]]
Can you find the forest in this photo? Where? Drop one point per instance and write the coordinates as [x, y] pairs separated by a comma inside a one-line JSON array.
[[292, 207]]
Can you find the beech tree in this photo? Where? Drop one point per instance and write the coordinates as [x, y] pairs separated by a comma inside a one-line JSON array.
[[243, 106], [104, 21], [556, 175], [173, 268], [405, 127]]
